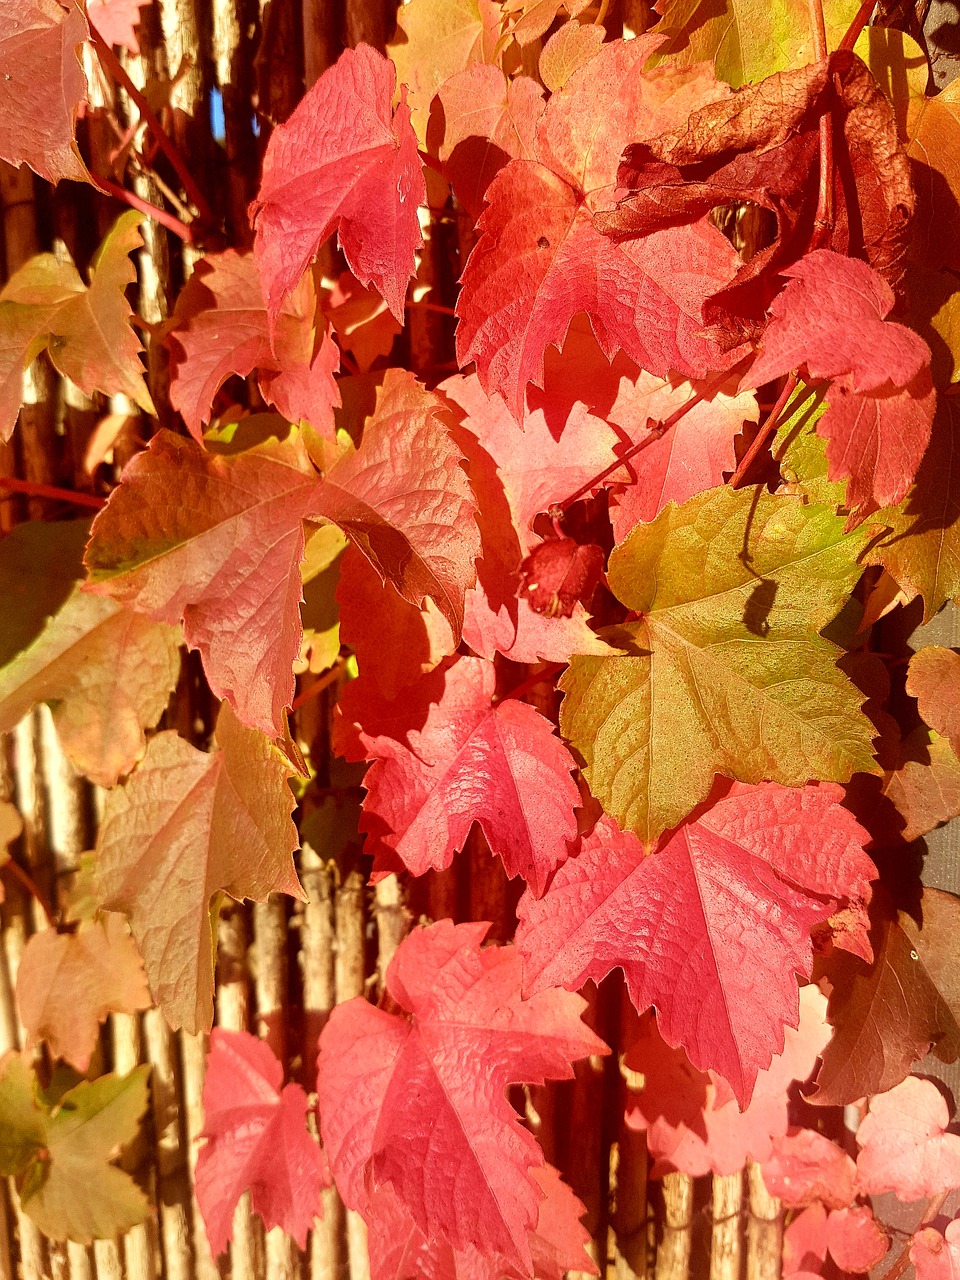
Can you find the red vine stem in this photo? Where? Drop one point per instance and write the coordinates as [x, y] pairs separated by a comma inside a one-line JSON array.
[[656, 431], [538, 677], [763, 435], [317, 688], [168, 220], [50, 491], [903, 1260], [857, 25], [32, 888], [162, 138]]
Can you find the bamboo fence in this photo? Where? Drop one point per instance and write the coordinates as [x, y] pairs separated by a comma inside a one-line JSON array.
[[282, 966]]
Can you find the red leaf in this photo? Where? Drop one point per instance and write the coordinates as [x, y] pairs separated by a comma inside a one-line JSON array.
[[805, 1243], [516, 472], [404, 500], [68, 983], [936, 1256], [370, 610], [540, 259], [256, 1141], [904, 1146], [831, 319], [558, 573], [689, 458], [343, 162], [488, 120], [42, 87], [805, 1167], [418, 1099], [692, 1122], [749, 875], [215, 540], [855, 1239], [400, 1251], [220, 328], [500, 766]]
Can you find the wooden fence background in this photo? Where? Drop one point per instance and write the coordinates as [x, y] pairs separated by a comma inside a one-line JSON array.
[[282, 966]]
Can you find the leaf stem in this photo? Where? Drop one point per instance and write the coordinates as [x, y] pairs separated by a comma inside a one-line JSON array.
[[433, 306], [856, 27], [903, 1260], [548, 673], [763, 434], [162, 138], [168, 220], [655, 432], [28, 883], [823, 222], [50, 491], [318, 686]]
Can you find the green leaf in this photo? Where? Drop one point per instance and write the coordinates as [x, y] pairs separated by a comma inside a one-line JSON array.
[[724, 671], [748, 39], [61, 1155]]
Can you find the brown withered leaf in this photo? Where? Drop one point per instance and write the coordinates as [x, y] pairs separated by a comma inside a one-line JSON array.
[[888, 1015], [762, 145]]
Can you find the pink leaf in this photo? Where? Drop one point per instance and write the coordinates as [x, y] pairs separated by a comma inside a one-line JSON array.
[[936, 1256], [417, 1099], [343, 162], [691, 1120], [713, 926], [256, 1141], [399, 1250], [500, 766], [220, 328], [805, 1243], [116, 21], [904, 1146], [805, 1166], [855, 1239]]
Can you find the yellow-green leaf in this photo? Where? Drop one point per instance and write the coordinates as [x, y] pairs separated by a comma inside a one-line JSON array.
[[724, 671]]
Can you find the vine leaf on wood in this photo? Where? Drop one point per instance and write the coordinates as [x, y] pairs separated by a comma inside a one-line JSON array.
[[500, 766], [59, 1151], [748, 874], [43, 87], [85, 329], [186, 828], [933, 678], [257, 1141], [344, 162], [417, 1098], [717, 676], [805, 1166], [117, 21], [936, 1256]]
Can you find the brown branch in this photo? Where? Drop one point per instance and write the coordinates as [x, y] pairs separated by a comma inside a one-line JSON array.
[[32, 888]]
